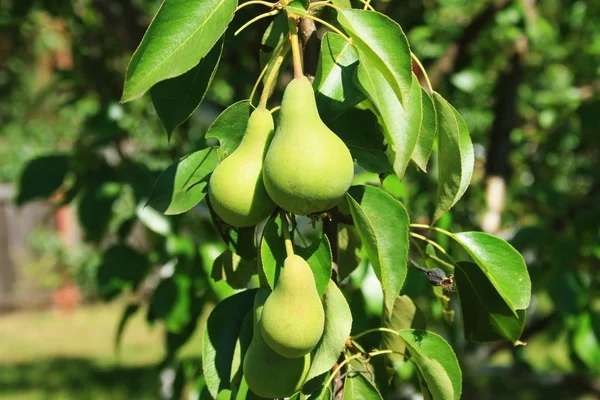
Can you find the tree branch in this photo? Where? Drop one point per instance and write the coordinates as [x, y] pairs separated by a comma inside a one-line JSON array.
[[311, 46]]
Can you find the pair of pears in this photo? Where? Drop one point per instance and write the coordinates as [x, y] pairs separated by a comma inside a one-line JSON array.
[[303, 168], [288, 324]]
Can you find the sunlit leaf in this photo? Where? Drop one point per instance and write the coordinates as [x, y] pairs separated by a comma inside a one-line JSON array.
[[180, 35], [229, 127], [184, 184], [503, 266], [382, 223], [338, 322], [437, 363], [382, 45]]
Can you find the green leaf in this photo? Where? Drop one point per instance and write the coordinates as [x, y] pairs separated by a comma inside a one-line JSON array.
[[382, 223], [121, 267], [436, 361], [176, 99], [338, 322], [456, 157], [401, 124], [427, 134], [342, 3], [358, 387], [229, 127], [404, 315], [382, 45], [232, 268], [296, 7], [180, 35], [503, 266], [272, 250], [95, 208], [274, 37], [129, 312], [221, 334], [336, 91], [318, 256], [171, 303], [348, 245], [360, 131], [184, 184], [585, 342], [486, 316], [41, 177]]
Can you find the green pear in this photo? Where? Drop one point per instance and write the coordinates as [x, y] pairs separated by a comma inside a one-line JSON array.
[[236, 190], [293, 318], [308, 168], [267, 373]]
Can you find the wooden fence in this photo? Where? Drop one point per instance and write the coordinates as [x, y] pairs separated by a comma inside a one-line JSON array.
[[17, 289]]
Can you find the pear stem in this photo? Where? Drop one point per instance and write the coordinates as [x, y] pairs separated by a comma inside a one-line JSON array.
[[272, 77], [296, 55], [285, 228]]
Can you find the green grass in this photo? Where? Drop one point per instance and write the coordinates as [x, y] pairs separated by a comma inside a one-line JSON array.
[[45, 355]]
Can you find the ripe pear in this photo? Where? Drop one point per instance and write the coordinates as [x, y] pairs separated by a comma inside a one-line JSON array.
[[236, 190], [308, 168], [293, 318], [267, 373]]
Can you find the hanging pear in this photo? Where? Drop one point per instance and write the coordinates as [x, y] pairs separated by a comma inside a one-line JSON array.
[[293, 318], [236, 190], [308, 168], [267, 373]]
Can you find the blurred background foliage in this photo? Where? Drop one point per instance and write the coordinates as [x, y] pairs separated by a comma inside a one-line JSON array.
[[524, 74]]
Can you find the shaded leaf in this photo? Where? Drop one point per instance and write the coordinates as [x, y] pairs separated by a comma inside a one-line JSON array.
[[334, 84], [382, 45], [486, 316], [171, 303], [129, 312], [229, 127], [348, 245], [121, 267], [503, 266], [272, 250], [360, 132], [221, 334], [401, 124], [232, 268], [176, 99], [456, 157], [41, 177], [436, 361], [338, 322], [404, 315], [95, 208], [382, 223], [180, 35], [318, 257], [184, 184]]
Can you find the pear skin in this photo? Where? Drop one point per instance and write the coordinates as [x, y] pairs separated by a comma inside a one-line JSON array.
[[236, 190], [267, 373], [308, 168], [293, 318]]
